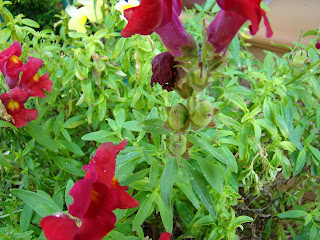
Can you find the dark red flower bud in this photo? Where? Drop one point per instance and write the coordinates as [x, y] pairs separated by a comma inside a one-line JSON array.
[[164, 72]]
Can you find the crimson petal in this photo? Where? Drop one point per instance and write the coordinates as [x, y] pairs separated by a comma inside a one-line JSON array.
[[60, 227]]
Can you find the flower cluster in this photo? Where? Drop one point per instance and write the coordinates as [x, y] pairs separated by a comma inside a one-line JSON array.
[[161, 16], [94, 199], [25, 85]]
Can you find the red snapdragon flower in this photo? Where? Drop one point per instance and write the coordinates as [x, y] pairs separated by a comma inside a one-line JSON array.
[[10, 64], [160, 16], [94, 199], [165, 236], [32, 81], [317, 45], [13, 101], [233, 14]]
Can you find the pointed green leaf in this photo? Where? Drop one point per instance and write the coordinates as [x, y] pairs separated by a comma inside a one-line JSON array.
[[41, 204]]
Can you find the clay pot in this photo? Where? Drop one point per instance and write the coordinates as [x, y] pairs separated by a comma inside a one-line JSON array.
[[190, 3]]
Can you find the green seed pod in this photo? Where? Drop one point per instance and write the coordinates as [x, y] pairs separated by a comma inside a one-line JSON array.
[[202, 114], [178, 117], [178, 144], [184, 89], [199, 79], [299, 59]]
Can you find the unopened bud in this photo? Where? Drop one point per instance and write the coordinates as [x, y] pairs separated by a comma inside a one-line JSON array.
[[178, 117]]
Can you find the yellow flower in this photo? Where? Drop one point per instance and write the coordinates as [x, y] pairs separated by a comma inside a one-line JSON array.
[[78, 19], [80, 15], [88, 9], [123, 5]]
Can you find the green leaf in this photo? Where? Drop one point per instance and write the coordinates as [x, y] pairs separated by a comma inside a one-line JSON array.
[[292, 214], [154, 126], [283, 126], [206, 220], [314, 151], [30, 23], [167, 180], [257, 131], [5, 34], [208, 5], [213, 173], [35, 131], [226, 120], [301, 161], [240, 220], [199, 186], [132, 126], [68, 199], [309, 232], [238, 101], [144, 211], [72, 147], [166, 215], [310, 138], [25, 218], [125, 168], [187, 190], [41, 204], [87, 91], [68, 165], [310, 32], [222, 154], [243, 143], [286, 167], [96, 136], [234, 46], [268, 64], [119, 47], [287, 145], [120, 117], [7, 124], [268, 125], [4, 162]]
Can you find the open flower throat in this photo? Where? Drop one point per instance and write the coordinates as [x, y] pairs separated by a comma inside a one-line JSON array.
[[12, 106]]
